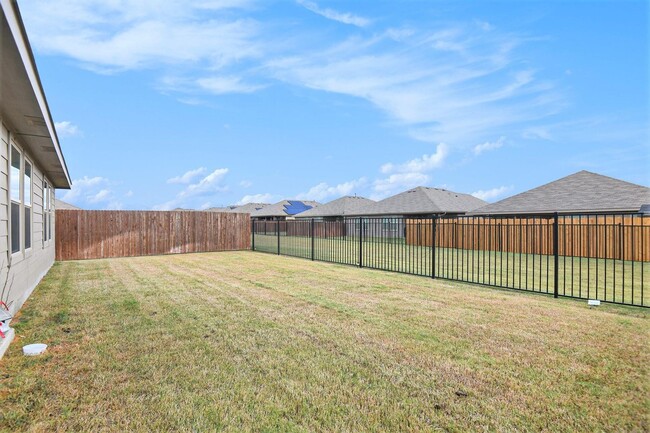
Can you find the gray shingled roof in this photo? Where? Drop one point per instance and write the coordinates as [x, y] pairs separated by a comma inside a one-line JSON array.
[[248, 207], [60, 204], [244, 208], [340, 207], [580, 192], [278, 209], [425, 201]]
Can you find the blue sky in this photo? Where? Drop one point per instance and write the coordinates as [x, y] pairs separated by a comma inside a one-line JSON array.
[[214, 102]]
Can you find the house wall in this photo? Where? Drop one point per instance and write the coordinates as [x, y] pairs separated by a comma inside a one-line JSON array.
[[22, 270]]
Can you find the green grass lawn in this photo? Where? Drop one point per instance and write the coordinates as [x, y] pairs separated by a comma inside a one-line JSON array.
[[608, 280], [255, 342]]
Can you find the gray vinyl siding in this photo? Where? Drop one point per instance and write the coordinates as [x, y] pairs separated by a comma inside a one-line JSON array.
[[27, 266]]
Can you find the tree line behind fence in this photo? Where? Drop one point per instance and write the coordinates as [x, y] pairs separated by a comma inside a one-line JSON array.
[[586, 256]]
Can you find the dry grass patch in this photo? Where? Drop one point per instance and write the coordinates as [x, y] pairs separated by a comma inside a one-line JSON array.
[[254, 342]]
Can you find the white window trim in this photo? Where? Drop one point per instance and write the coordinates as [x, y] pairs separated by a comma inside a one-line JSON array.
[[16, 255], [28, 251], [44, 187]]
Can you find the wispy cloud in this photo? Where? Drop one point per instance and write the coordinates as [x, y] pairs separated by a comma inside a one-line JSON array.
[[324, 191], [422, 164], [491, 194], [92, 193], [410, 173], [119, 35], [209, 186], [331, 14], [188, 176], [223, 85], [66, 129], [489, 145], [257, 198], [457, 85], [397, 182]]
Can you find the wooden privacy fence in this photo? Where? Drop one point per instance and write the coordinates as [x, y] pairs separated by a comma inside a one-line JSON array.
[[83, 234], [622, 237]]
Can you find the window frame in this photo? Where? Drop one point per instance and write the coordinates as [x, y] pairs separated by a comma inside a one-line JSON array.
[[50, 211], [13, 146], [44, 205], [25, 207]]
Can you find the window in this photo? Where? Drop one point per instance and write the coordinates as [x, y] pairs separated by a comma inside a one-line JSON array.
[[44, 207], [14, 186], [27, 199], [50, 212]]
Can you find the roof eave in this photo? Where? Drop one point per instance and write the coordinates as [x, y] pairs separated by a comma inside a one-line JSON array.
[[60, 178]]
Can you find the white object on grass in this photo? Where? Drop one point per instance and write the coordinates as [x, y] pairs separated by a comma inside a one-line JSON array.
[[34, 349], [593, 302]]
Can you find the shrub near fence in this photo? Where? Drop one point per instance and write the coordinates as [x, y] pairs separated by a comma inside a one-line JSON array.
[[605, 257], [83, 234]]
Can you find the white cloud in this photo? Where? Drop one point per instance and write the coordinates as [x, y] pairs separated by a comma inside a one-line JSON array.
[[489, 145], [422, 164], [491, 194], [223, 85], [256, 198], [396, 183], [102, 195], [245, 183], [323, 191], [92, 192], [537, 132], [455, 84], [188, 176], [208, 186], [80, 187], [121, 34], [331, 14], [408, 174], [66, 129]]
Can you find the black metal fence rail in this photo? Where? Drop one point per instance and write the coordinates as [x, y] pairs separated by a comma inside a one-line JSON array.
[[604, 257]]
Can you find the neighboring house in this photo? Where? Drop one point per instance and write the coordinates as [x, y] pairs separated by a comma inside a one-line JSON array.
[[388, 216], [583, 192], [423, 202], [60, 204], [338, 209], [244, 208], [33, 166], [247, 208], [285, 209]]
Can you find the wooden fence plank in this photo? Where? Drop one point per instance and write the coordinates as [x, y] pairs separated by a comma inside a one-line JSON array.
[[622, 237], [82, 234]]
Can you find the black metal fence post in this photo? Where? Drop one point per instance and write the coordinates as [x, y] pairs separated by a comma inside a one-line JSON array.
[[277, 225], [253, 233], [556, 254], [361, 242], [433, 247], [312, 239]]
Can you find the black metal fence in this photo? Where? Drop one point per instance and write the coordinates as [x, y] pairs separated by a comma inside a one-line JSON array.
[[604, 257]]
